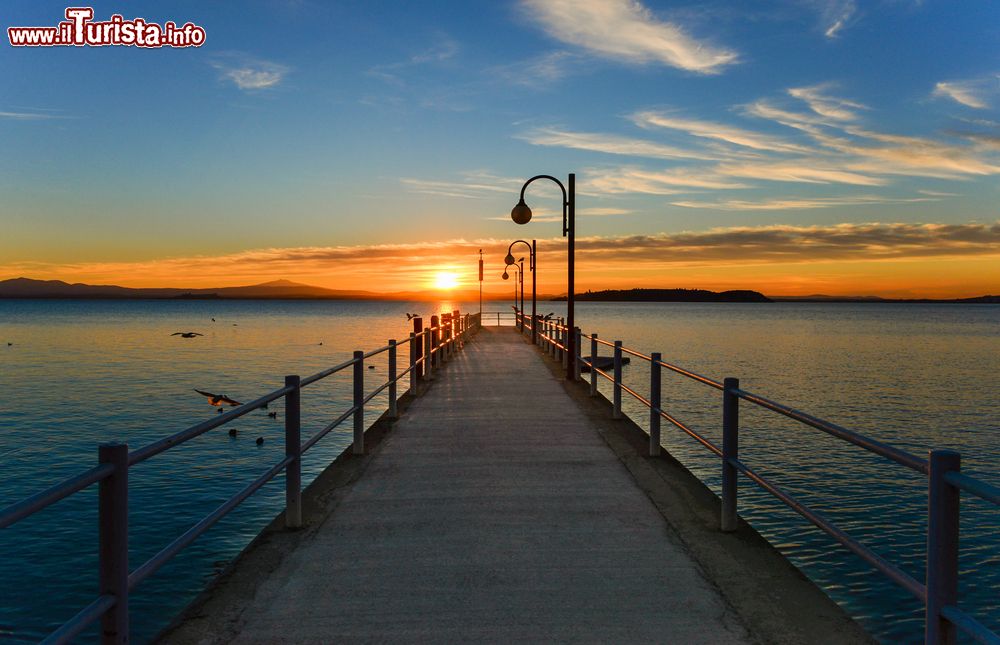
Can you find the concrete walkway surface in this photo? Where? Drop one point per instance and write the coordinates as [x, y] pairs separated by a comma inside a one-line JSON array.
[[493, 511]]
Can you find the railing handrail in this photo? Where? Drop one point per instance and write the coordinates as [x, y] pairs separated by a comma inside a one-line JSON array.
[[941, 600], [442, 345]]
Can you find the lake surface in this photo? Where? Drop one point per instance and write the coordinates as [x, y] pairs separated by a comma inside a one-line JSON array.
[[83, 372]]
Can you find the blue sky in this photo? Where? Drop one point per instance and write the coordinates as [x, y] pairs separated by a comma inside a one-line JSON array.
[[304, 124]]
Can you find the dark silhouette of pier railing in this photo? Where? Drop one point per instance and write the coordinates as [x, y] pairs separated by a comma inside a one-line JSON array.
[[500, 318], [428, 350], [939, 589]]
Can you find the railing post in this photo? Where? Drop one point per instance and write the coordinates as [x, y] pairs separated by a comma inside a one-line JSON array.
[[654, 401], [617, 414], [564, 341], [942, 546], [593, 365], [577, 349], [418, 325], [428, 366], [435, 355], [359, 406], [730, 451], [413, 364], [393, 413], [293, 449], [113, 547]]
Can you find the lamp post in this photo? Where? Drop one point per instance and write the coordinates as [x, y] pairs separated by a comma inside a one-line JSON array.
[[518, 278], [521, 214], [534, 281]]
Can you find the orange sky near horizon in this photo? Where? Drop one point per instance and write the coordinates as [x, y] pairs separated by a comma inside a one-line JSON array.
[[780, 261]]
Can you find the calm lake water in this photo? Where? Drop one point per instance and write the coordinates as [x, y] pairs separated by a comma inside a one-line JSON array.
[[82, 372]]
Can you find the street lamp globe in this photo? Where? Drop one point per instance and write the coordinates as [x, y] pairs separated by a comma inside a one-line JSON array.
[[505, 276], [521, 214], [509, 259]]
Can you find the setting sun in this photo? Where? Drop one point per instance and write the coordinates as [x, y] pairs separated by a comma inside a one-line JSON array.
[[445, 280]]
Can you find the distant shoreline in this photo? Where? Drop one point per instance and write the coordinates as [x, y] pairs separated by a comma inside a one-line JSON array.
[[29, 289]]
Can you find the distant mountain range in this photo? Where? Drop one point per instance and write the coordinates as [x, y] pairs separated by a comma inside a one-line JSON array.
[[276, 290], [287, 290]]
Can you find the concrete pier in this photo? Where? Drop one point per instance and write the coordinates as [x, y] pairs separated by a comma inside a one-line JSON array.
[[498, 508]]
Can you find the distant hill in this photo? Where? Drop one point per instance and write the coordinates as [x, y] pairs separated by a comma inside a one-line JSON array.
[[275, 290], [670, 295], [279, 289]]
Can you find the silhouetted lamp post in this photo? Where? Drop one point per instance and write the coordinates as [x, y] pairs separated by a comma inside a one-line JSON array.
[[521, 214], [518, 279], [534, 281]]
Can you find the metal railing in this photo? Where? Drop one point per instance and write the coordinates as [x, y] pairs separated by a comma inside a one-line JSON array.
[[429, 348], [939, 589], [499, 318]]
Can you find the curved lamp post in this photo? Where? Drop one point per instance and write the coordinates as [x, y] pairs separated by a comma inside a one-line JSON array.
[[521, 214], [534, 281], [518, 278]]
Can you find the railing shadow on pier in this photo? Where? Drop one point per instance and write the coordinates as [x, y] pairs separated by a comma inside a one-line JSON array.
[[429, 348], [939, 589]]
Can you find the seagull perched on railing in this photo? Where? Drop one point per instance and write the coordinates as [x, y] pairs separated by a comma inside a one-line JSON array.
[[186, 334], [218, 399]]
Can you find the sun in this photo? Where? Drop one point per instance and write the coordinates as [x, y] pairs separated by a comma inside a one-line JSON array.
[[445, 280]]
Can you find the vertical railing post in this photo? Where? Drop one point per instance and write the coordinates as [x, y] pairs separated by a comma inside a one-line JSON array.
[[428, 367], [113, 547], [577, 345], [413, 364], [359, 405], [654, 404], [293, 450], [730, 452], [942, 546], [617, 410], [418, 325], [435, 355], [593, 365], [393, 413], [564, 340]]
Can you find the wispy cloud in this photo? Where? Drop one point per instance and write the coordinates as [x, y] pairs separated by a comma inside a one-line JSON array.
[[716, 131], [248, 73], [539, 72], [804, 203], [820, 101], [836, 15], [626, 30], [653, 182], [610, 144], [36, 114], [973, 93]]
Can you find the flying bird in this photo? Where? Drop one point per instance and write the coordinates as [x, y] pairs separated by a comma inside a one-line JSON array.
[[186, 334], [218, 399], [411, 316], [273, 415]]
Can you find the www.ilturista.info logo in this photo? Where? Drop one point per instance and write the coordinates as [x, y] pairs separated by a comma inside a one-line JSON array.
[[80, 30]]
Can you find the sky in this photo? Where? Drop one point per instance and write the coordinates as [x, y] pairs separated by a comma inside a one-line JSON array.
[[788, 146]]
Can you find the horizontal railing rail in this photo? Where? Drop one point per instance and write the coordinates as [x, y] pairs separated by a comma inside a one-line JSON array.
[[429, 347], [939, 590], [500, 317]]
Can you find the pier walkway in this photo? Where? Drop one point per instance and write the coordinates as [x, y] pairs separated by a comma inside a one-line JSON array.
[[493, 511]]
